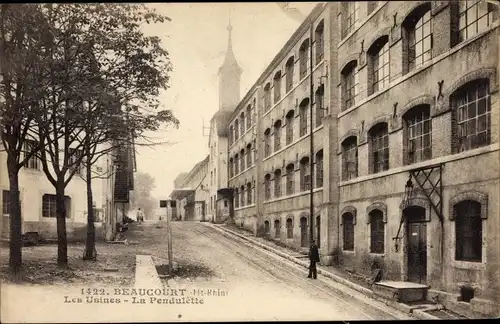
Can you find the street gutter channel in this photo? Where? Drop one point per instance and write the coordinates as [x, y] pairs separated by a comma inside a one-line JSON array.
[[420, 311]]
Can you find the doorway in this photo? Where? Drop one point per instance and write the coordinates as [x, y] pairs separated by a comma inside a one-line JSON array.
[[266, 227], [417, 244], [303, 231], [277, 229], [318, 231]]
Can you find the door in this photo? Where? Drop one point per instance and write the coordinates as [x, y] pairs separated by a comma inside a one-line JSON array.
[[266, 227], [417, 244], [303, 231], [318, 231]]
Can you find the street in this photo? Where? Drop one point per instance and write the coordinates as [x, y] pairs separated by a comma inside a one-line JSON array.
[[236, 281], [258, 284]]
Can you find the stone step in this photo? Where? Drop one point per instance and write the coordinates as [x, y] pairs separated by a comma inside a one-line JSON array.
[[401, 291]]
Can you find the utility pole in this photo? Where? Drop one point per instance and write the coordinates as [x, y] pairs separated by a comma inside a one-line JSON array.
[[169, 242], [311, 102], [164, 204]]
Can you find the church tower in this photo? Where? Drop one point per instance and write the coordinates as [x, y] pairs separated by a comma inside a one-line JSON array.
[[229, 78]]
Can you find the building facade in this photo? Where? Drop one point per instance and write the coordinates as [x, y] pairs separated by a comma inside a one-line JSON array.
[[192, 195], [218, 205], [272, 168], [420, 102], [38, 198], [402, 173]]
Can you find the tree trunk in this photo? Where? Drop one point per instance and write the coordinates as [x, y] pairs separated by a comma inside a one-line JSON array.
[[62, 240], [90, 250], [15, 241]]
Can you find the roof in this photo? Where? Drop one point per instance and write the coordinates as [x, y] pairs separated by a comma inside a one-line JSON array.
[[195, 170], [178, 194], [222, 119], [296, 36], [230, 62]]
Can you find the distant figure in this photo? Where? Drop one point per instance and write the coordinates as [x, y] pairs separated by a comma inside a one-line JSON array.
[[313, 258], [140, 216]]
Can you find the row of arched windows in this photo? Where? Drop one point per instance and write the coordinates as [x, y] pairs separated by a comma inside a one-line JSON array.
[[243, 123], [468, 215], [275, 133], [304, 233], [243, 196], [276, 84], [473, 18], [242, 160], [470, 129], [275, 178]]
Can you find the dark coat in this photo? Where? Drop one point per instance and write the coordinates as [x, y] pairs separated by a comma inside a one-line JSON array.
[[314, 253]]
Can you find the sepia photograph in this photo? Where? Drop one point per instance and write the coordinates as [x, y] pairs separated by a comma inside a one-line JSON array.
[[245, 161]]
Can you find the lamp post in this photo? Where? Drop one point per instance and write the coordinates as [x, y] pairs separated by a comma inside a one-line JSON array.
[[408, 193], [404, 203]]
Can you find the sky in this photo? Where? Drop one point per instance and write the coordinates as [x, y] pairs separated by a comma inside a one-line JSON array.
[[196, 38]]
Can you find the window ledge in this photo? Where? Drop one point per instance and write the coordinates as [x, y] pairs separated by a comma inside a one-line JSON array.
[[52, 219], [346, 38], [244, 207], [421, 68], [241, 136], [320, 61], [288, 146], [444, 159], [242, 172], [382, 255], [469, 265], [302, 193], [302, 80], [351, 252]]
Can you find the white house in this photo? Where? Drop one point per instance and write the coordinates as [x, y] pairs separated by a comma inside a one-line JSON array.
[[38, 200]]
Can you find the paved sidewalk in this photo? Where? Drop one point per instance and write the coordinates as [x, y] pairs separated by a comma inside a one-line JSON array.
[[146, 275], [355, 278]]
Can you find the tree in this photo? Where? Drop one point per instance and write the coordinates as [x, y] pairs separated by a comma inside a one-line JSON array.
[[96, 52], [144, 185], [21, 88]]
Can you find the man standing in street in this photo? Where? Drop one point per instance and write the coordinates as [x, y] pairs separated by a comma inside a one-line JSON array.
[[313, 258], [140, 216]]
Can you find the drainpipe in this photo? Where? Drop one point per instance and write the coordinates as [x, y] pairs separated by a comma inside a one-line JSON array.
[[311, 96]]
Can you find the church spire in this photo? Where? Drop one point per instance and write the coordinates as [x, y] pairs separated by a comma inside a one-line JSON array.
[[229, 39], [230, 62], [229, 76]]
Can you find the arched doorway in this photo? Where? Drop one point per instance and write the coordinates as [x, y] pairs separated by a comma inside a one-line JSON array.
[[266, 227], [417, 243], [277, 229], [318, 231], [303, 231]]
